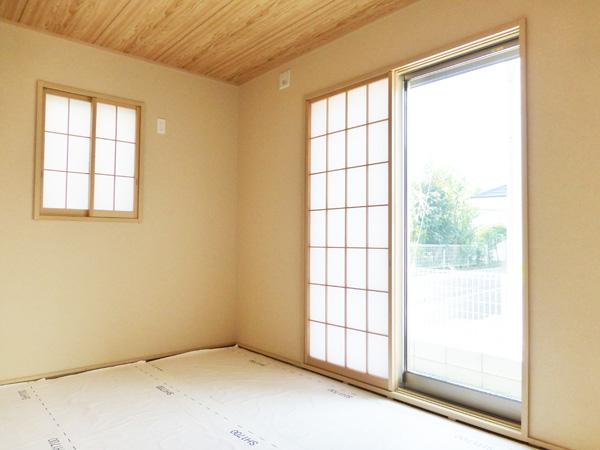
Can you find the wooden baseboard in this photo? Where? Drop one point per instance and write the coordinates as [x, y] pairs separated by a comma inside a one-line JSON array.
[[76, 370]]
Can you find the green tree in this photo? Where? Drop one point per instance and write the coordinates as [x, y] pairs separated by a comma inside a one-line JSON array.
[[487, 240], [440, 212]]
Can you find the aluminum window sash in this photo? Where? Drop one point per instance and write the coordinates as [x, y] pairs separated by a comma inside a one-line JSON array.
[[464, 396], [456, 66]]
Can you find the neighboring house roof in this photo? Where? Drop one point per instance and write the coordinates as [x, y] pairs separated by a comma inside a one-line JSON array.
[[499, 191]]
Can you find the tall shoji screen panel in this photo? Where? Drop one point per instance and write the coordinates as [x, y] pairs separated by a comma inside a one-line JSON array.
[[348, 232]]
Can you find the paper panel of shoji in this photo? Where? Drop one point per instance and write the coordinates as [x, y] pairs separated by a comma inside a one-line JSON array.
[[67, 131], [114, 166], [348, 220]]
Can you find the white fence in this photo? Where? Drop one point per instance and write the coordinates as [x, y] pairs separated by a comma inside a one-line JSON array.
[[457, 294], [436, 256]]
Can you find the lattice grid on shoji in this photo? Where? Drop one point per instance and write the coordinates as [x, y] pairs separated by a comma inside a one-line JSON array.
[[114, 165], [348, 234], [83, 136], [67, 137]]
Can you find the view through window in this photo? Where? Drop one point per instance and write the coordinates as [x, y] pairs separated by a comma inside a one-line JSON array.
[[463, 218]]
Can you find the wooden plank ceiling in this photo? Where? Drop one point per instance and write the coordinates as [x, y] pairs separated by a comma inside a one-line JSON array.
[[231, 40]]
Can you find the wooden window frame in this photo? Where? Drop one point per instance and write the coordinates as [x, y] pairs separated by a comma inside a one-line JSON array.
[[39, 212]]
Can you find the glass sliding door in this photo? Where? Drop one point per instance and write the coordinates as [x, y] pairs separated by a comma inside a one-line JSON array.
[[462, 231]]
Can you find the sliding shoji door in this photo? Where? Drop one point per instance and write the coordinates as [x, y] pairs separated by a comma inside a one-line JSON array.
[[347, 326]]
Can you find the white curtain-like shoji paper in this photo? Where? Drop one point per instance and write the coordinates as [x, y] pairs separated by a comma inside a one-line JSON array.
[[114, 177], [348, 230], [67, 133]]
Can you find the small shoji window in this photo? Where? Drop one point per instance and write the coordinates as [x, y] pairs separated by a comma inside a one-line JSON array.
[[87, 154], [348, 232]]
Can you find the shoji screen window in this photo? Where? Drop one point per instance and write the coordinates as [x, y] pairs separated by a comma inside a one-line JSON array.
[[347, 292], [87, 154]]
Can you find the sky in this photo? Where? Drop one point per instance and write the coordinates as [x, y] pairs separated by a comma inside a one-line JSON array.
[[468, 123]]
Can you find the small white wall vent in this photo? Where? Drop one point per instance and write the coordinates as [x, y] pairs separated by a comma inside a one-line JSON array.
[[284, 80]]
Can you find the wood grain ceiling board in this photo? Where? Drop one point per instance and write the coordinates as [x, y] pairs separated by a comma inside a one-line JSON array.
[[204, 47], [280, 35], [12, 10], [307, 33], [78, 19], [231, 19], [231, 40], [149, 28]]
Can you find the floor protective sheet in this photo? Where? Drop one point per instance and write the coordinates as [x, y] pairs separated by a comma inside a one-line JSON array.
[[226, 398]]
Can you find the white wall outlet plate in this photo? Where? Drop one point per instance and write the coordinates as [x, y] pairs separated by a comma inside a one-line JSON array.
[[285, 79], [161, 126]]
